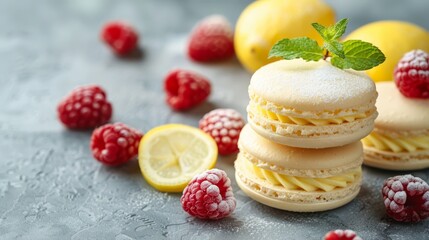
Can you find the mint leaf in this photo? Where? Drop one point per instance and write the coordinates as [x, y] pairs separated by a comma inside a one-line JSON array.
[[331, 33], [303, 47], [321, 30], [359, 55], [335, 47], [339, 28]]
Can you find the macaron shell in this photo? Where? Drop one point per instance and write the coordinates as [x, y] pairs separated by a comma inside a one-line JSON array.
[[319, 136], [398, 113], [298, 158], [312, 86], [292, 200], [396, 161]]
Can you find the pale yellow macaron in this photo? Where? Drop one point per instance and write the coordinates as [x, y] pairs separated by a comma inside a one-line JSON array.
[[400, 140], [297, 179], [311, 104]]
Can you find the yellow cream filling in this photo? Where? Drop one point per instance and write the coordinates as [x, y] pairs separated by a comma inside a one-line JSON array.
[[303, 183], [307, 121], [397, 144]]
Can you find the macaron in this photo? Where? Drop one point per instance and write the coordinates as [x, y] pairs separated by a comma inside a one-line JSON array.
[[311, 104], [297, 179], [400, 139]]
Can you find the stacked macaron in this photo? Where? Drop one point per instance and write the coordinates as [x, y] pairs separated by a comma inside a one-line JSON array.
[[301, 150], [400, 140]]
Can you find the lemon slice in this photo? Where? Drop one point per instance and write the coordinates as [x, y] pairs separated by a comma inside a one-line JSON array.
[[170, 155]]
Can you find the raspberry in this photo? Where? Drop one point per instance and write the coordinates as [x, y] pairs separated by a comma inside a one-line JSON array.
[[406, 198], [341, 235], [85, 107], [185, 89], [114, 144], [211, 40], [209, 195], [412, 74], [224, 125], [121, 37]]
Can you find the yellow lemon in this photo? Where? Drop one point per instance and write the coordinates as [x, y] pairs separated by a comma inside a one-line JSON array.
[[171, 155], [394, 39], [265, 22]]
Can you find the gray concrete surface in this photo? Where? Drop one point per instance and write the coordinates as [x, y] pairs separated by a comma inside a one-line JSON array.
[[51, 188]]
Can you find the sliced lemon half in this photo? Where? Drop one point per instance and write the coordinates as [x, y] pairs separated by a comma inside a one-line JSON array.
[[170, 155]]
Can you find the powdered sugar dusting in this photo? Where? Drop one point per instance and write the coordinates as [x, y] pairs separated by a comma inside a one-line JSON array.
[[216, 25], [213, 190], [416, 59], [213, 178], [397, 186], [400, 197]]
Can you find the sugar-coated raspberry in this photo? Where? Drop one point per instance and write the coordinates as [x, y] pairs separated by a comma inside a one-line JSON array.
[[185, 89], [341, 235], [412, 74], [406, 198], [85, 107], [121, 37], [115, 144], [211, 40], [209, 195], [224, 125]]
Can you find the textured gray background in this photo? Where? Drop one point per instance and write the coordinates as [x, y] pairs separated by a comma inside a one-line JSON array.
[[51, 188]]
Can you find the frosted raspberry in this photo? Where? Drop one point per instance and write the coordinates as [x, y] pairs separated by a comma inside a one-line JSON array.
[[224, 125], [186, 89], [209, 195], [342, 235], [114, 144], [85, 107], [412, 74], [121, 37], [211, 40], [406, 198]]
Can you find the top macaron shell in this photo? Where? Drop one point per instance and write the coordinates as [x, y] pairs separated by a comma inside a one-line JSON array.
[[312, 86], [398, 113]]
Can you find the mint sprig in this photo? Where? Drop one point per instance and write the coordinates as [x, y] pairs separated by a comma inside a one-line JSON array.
[[354, 54]]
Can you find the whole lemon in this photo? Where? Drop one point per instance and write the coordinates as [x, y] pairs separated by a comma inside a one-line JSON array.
[[265, 22], [394, 39]]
